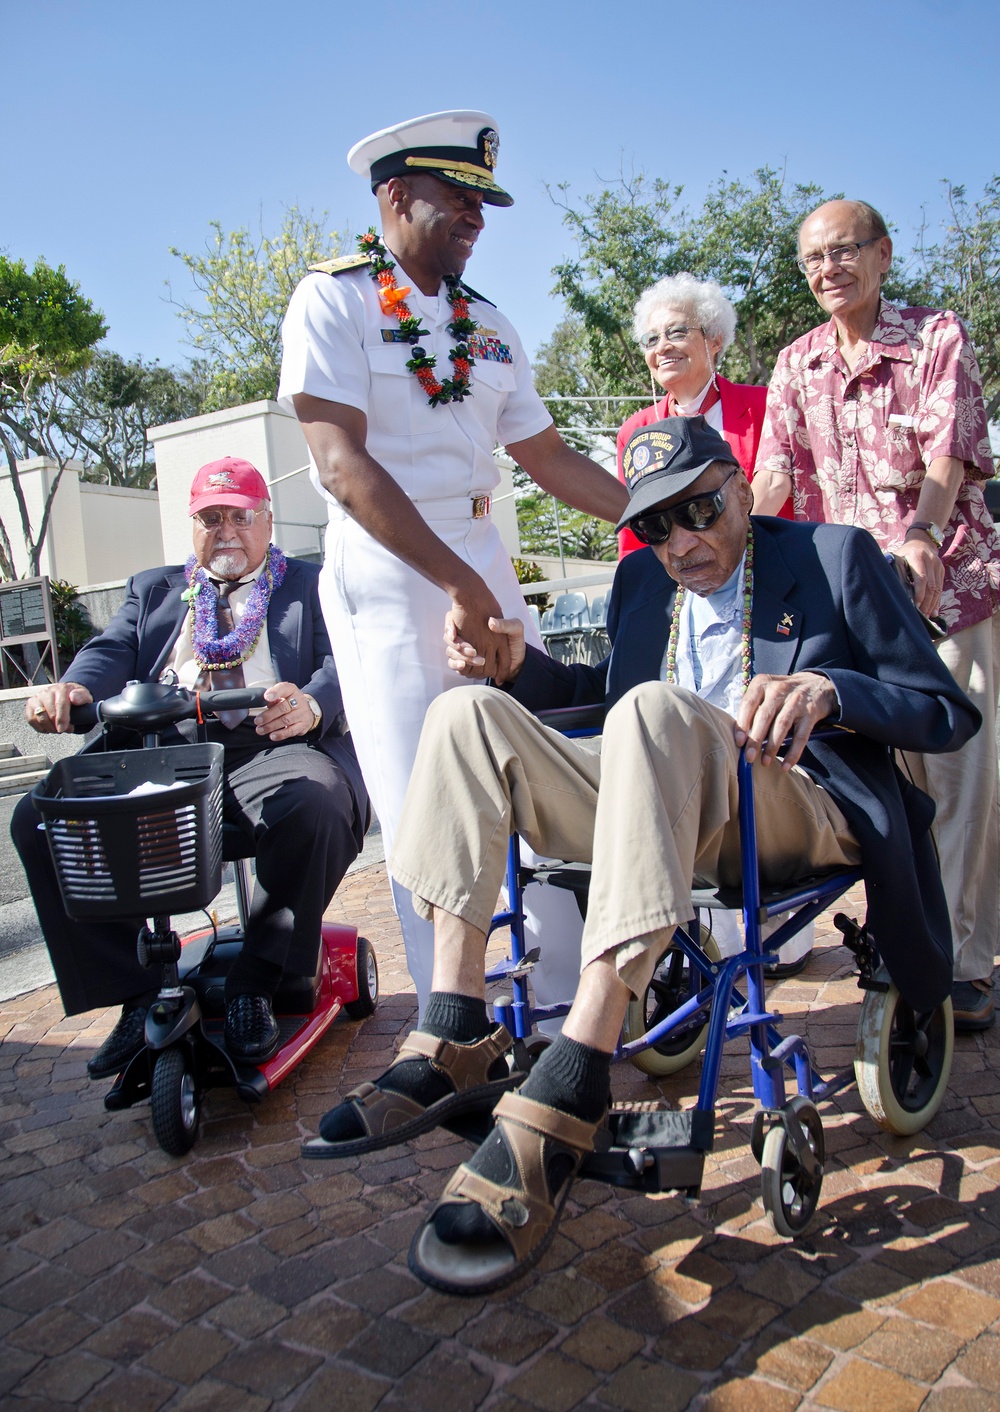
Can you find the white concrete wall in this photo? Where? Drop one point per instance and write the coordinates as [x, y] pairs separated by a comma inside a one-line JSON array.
[[63, 553], [120, 531]]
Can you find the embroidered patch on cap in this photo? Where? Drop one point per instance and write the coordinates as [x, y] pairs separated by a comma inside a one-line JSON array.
[[648, 451]]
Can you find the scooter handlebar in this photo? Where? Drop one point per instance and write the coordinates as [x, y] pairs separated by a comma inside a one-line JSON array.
[[150, 706]]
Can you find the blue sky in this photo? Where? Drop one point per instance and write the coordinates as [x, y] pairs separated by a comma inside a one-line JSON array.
[[139, 121]]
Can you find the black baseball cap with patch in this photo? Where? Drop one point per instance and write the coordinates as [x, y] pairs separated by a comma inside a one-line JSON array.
[[665, 458], [460, 147]]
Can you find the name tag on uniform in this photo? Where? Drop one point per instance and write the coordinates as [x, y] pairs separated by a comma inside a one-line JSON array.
[[394, 335], [900, 419]]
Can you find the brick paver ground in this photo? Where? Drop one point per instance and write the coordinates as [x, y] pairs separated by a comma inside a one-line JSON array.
[[241, 1277]]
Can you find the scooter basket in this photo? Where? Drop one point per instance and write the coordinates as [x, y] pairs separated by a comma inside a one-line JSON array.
[[121, 854]]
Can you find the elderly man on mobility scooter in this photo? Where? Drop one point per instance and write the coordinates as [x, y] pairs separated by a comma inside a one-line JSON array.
[[726, 632], [238, 614]]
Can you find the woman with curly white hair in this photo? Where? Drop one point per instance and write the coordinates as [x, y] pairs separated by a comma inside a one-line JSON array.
[[683, 326]]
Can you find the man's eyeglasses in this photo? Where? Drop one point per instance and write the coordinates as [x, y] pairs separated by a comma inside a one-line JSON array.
[[697, 514], [840, 255], [677, 334], [237, 515]]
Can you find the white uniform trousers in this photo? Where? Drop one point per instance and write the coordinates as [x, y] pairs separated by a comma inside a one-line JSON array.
[[386, 624]]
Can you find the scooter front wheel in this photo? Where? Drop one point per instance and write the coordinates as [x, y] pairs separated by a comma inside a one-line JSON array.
[[175, 1101], [367, 1000]]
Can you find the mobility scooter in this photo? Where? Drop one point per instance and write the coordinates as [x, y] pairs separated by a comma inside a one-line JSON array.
[[140, 833]]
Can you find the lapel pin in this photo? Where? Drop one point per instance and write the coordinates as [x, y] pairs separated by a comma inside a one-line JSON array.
[[786, 624]]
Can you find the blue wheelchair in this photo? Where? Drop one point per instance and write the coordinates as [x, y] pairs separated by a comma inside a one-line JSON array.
[[698, 1001]]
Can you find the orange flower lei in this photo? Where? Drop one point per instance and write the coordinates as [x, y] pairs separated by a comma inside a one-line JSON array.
[[392, 301]]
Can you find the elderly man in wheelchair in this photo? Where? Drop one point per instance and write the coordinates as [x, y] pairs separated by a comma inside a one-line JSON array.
[[728, 634]]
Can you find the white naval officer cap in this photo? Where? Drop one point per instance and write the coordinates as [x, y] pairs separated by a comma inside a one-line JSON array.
[[460, 146]]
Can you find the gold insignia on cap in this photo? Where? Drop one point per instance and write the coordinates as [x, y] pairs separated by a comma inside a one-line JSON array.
[[491, 147]]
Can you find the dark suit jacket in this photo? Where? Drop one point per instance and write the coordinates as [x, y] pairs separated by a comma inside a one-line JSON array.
[[851, 620], [137, 643]]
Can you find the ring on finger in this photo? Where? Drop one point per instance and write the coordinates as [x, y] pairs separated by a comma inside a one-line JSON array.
[[292, 701]]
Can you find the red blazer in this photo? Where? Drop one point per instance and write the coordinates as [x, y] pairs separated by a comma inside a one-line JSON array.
[[742, 420]]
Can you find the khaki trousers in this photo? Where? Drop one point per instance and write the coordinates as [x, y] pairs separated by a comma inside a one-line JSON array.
[[963, 785], [652, 807]]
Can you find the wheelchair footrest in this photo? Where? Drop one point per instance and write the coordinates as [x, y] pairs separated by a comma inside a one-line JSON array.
[[650, 1148]]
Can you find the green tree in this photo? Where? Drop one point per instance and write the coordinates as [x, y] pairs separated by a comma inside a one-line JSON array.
[[244, 282], [48, 331], [963, 269], [627, 237], [112, 404]]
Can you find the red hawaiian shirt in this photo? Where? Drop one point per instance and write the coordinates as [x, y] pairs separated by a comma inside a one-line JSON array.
[[857, 444]]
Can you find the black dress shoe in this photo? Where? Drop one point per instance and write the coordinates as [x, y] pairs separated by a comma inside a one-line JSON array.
[[251, 1031], [781, 970], [126, 1040]]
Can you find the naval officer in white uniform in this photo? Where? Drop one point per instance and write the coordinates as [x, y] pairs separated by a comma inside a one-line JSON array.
[[401, 435]]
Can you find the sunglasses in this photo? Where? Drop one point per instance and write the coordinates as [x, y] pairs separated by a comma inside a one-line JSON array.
[[697, 514]]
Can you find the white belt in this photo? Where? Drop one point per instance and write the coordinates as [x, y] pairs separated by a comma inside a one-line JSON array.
[[457, 507]]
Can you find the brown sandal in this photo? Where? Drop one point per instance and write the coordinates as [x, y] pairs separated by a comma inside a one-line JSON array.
[[525, 1216], [389, 1118]]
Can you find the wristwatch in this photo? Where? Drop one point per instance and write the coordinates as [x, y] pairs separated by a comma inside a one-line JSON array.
[[933, 532], [315, 708]]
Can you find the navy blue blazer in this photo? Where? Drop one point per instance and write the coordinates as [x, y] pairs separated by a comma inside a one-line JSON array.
[[137, 643], [849, 618]]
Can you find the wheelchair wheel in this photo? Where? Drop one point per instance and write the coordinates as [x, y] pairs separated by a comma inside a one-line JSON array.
[[367, 1000], [175, 1101], [669, 988], [903, 1060], [790, 1194]]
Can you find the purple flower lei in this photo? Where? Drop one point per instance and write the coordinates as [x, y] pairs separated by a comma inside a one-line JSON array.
[[215, 653]]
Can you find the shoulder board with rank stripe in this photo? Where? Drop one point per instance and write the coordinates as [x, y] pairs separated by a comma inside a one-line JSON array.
[[338, 266], [481, 298]]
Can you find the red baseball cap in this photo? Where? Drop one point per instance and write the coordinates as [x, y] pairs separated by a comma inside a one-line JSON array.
[[228, 481]]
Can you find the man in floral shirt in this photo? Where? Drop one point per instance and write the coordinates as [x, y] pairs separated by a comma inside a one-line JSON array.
[[877, 419]]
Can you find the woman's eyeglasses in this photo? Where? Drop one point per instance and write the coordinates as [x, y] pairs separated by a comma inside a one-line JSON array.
[[239, 517], [697, 514], [677, 334]]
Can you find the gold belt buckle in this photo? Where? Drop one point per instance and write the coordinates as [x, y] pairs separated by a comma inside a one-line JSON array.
[[480, 506]]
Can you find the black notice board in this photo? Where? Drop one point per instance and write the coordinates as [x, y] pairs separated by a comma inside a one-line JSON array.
[[28, 652], [22, 610]]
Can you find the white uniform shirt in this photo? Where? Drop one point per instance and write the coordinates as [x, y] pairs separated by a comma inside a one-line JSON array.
[[334, 349]]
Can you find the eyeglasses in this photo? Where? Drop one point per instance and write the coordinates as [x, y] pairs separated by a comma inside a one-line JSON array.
[[677, 334], [697, 514], [840, 255], [239, 517]]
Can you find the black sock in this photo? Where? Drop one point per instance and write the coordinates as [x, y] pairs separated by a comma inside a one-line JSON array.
[[569, 1076], [459, 1018], [252, 975]]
